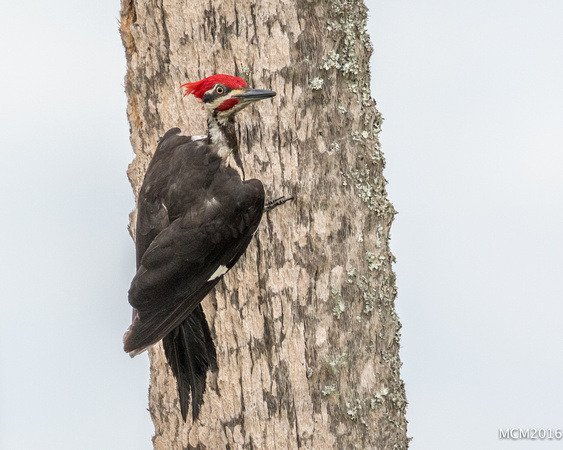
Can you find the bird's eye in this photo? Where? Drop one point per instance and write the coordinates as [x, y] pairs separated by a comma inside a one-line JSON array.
[[219, 90]]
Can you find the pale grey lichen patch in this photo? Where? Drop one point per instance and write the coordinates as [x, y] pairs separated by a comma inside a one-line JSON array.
[[398, 398], [334, 148], [309, 372], [370, 288], [377, 289], [353, 410], [375, 262], [377, 400], [382, 297], [393, 361], [350, 275], [245, 70], [388, 292], [328, 390], [368, 139], [370, 189], [332, 61], [337, 363], [348, 28], [369, 300], [338, 307], [357, 410], [360, 136], [316, 84], [401, 445], [397, 337], [378, 122], [379, 236], [371, 258], [369, 294]]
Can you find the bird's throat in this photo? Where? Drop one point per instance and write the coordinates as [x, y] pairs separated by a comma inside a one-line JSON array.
[[223, 137]]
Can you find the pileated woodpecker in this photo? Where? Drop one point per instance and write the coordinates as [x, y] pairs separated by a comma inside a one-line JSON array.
[[196, 216]]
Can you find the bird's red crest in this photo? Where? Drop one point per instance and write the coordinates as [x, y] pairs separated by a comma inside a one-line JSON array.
[[199, 88]]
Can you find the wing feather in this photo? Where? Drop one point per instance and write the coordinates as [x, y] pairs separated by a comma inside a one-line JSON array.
[[175, 271]]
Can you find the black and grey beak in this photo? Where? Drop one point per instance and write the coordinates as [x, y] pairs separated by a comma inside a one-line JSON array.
[[253, 95]]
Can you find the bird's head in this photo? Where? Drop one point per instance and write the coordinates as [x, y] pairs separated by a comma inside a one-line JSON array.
[[224, 95]]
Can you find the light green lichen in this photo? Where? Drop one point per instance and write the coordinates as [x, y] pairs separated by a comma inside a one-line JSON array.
[[370, 295], [377, 400], [357, 136], [338, 307], [373, 282], [397, 337], [316, 84], [337, 363], [347, 27], [328, 390], [387, 294], [379, 236], [401, 445], [369, 300], [353, 410], [398, 398], [351, 275], [245, 70], [393, 361], [375, 262], [332, 61], [334, 148], [370, 189], [371, 258]]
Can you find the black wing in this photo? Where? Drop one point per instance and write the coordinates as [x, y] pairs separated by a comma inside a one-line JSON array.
[[187, 258], [152, 214]]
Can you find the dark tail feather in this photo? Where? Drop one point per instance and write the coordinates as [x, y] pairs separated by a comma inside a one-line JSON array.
[[191, 353]]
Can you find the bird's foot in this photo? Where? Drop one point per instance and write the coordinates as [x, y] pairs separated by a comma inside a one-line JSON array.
[[271, 204]]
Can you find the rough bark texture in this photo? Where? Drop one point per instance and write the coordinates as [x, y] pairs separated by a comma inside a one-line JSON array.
[[306, 331]]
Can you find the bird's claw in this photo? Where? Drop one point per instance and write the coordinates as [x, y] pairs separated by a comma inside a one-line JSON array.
[[271, 204]]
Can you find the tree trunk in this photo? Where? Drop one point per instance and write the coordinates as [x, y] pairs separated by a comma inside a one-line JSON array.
[[305, 327]]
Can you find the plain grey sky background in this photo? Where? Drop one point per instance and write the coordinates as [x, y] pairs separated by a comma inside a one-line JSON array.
[[472, 95]]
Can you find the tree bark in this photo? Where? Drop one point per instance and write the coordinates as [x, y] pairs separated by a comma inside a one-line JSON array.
[[305, 326]]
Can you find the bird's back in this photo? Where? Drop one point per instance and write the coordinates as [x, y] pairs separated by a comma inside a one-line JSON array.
[[195, 219], [180, 171]]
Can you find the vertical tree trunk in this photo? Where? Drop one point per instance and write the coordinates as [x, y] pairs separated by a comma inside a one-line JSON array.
[[306, 331]]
